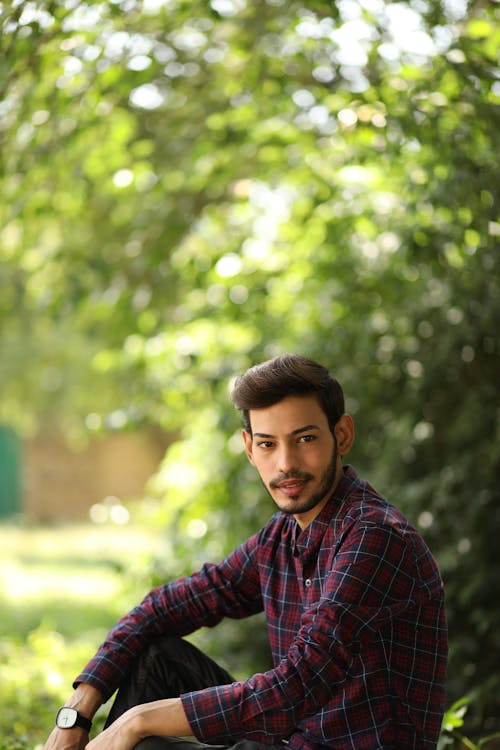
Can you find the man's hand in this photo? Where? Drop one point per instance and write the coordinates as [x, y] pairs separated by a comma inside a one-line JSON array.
[[158, 718]]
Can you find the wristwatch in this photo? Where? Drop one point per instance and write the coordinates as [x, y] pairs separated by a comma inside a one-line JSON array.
[[69, 717]]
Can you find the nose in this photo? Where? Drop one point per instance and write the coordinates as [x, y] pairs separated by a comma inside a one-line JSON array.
[[287, 459]]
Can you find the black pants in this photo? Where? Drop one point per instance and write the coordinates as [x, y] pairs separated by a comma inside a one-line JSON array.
[[171, 666]]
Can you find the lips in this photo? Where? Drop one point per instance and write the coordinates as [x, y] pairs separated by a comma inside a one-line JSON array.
[[292, 487], [292, 483]]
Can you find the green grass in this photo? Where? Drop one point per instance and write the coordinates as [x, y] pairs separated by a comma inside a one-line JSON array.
[[61, 588], [77, 578]]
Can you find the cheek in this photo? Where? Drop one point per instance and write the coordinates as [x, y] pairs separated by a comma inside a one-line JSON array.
[[264, 469], [322, 461]]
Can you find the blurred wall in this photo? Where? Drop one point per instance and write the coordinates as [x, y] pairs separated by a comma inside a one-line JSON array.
[[61, 482]]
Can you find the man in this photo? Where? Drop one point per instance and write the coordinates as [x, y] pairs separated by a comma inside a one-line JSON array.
[[353, 601]]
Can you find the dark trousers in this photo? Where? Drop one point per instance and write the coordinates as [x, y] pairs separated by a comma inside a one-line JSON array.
[[168, 667]]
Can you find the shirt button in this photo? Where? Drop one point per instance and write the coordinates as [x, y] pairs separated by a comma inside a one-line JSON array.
[[308, 582]]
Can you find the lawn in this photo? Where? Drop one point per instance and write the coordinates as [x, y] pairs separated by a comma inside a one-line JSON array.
[[71, 577], [61, 588]]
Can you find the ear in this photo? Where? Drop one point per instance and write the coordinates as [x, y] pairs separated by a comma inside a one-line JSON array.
[[344, 433], [247, 439]]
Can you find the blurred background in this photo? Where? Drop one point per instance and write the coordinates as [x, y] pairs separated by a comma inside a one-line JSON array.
[[188, 188]]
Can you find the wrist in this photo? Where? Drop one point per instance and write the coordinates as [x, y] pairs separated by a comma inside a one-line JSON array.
[[69, 718], [78, 711]]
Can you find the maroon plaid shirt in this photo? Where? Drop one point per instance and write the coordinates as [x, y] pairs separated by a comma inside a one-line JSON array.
[[356, 621]]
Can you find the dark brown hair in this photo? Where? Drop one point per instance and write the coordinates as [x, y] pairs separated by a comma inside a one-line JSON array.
[[287, 375]]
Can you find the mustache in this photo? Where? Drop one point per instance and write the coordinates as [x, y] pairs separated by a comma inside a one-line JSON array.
[[302, 475]]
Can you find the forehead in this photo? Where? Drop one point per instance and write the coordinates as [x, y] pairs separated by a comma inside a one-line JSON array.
[[289, 414]]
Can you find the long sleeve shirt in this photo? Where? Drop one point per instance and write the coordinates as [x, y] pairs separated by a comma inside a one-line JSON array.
[[355, 614]]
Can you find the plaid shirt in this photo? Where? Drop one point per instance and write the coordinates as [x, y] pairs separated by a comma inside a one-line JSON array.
[[356, 621]]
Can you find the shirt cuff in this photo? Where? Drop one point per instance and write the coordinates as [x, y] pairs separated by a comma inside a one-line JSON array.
[[209, 713]]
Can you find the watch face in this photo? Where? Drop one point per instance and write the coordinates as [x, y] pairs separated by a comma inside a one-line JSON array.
[[66, 717]]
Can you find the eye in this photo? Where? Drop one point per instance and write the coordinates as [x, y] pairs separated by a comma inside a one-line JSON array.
[[307, 438], [265, 444]]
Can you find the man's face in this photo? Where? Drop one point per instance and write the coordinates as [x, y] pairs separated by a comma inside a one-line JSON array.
[[295, 454]]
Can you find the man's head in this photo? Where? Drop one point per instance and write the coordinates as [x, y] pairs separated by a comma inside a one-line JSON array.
[[268, 383], [296, 432]]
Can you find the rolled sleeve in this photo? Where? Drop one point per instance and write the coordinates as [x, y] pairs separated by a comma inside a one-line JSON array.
[[242, 710]]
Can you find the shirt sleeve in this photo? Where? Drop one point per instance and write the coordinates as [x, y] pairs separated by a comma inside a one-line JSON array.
[[373, 579], [228, 589]]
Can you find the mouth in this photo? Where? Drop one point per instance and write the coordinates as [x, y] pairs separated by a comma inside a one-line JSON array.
[[292, 487]]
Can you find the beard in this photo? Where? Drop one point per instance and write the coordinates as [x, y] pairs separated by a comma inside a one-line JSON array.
[[296, 505]]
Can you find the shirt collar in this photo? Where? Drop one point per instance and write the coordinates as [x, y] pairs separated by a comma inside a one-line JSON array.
[[307, 542]]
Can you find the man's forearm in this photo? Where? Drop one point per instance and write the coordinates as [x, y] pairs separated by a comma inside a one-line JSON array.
[[86, 699], [157, 719], [163, 717]]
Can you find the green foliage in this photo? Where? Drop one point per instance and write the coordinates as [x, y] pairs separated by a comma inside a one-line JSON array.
[[62, 588], [453, 721], [32, 682], [191, 187]]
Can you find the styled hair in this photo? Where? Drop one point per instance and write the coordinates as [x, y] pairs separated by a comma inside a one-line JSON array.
[[269, 383]]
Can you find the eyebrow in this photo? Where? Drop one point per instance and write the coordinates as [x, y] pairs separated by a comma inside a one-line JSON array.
[[306, 428]]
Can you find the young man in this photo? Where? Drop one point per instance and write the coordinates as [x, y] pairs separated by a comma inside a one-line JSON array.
[[353, 600]]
